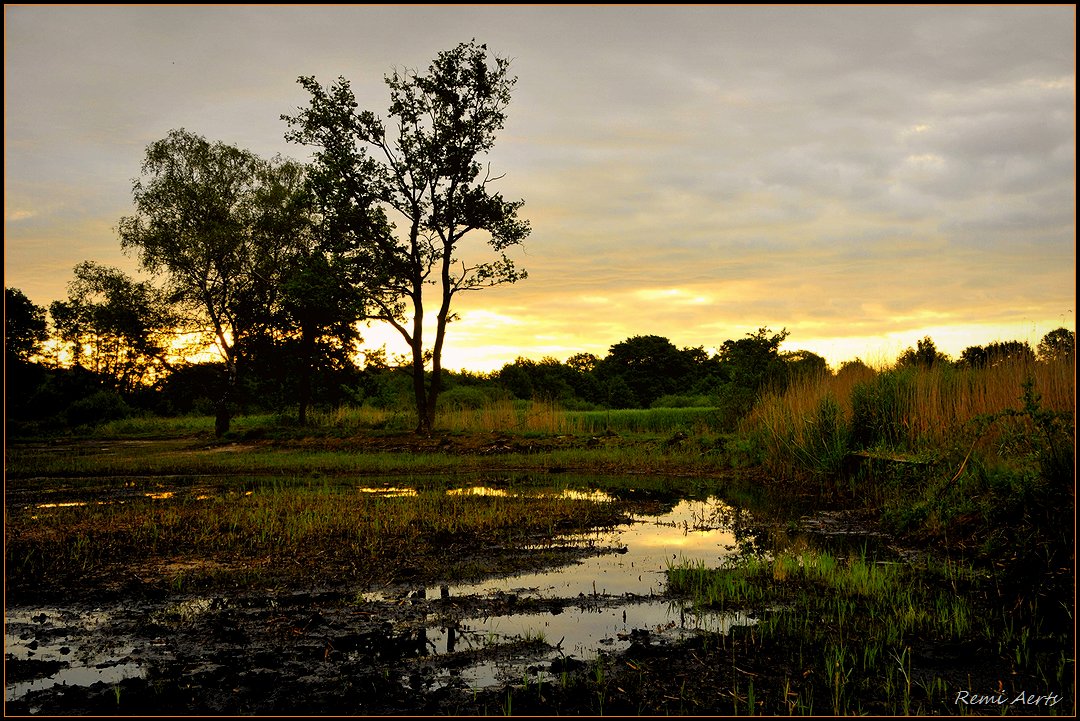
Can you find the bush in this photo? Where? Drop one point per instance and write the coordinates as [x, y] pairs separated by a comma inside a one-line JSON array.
[[463, 398], [680, 401], [97, 408]]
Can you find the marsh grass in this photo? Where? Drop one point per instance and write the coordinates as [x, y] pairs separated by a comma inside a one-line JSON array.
[[866, 619], [303, 529], [93, 459], [921, 412], [491, 415]]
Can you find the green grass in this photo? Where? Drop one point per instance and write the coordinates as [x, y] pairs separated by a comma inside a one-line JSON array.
[[302, 528], [868, 622]]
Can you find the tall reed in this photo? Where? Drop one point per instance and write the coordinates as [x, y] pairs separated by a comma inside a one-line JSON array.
[[908, 410]]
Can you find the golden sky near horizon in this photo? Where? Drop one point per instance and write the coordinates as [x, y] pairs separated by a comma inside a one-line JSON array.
[[862, 177]]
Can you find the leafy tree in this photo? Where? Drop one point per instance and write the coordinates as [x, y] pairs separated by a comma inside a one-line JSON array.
[[754, 361], [856, 368], [647, 367], [582, 378], [429, 173], [547, 379], [24, 326], [996, 353], [25, 331], [122, 329], [746, 367], [925, 355], [205, 220], [318, 301], [973, 357], [583, 362], [1058, 344], [324, 309], [805, 363]]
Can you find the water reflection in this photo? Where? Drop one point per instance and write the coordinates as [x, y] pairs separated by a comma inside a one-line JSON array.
[[606, 602], [620, 593], [641, 552], [58, 639]]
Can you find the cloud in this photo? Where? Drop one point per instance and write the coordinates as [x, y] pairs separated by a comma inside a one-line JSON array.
[[692, 171]]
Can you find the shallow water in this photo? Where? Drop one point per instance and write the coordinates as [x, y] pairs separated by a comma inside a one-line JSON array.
[[616, 600], [63, 635], [620, 594]]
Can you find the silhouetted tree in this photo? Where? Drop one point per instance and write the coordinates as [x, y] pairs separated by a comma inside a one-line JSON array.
[[546, 379], [995, 353], [805, 363], [25, 332], [318, 299], [204, 221], [24, 326], [583, 362], [754, 361], [429, 173], [855, 368], [746, 367], [926, 355], [121, 328], [647, 367], [1058, 344], [972, 357]]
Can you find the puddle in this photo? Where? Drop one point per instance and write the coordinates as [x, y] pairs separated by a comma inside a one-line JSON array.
[[67, 643], [619, 595], [603, 604], [581, 634]]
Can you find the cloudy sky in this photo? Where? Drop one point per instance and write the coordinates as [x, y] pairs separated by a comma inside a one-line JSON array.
[[863, 177]]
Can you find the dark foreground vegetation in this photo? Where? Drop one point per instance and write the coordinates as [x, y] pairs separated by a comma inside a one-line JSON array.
[[966, 607]]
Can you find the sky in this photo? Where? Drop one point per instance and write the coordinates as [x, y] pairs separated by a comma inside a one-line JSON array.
[[862, 177]]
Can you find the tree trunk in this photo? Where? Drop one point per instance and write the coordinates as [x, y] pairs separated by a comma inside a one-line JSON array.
[[424, 423], [224, 412], [221, 422], [307, 352]]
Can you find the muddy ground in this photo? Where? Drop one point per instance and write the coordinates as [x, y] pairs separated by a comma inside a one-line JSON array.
[[134, 647], [336, 652]]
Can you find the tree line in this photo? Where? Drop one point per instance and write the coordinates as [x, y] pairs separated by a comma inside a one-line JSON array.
[[123, 332]]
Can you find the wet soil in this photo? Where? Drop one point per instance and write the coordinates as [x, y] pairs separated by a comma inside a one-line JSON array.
[[326, 653], [130, 647]]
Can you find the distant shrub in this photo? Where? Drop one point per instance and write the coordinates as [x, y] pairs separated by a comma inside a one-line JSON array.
[[682, 401], [97, 408], [463, 398]]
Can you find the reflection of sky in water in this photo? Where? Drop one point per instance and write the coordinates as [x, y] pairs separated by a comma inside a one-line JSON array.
[[582, 633], [57, 635], [619, 593], [692, 531]]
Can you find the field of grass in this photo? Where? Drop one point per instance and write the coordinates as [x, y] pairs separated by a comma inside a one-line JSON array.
[[861, 628], [232, 529]]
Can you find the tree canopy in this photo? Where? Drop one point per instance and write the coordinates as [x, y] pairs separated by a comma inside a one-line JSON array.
[[24, 326], [424, 166], [219, 223], [123, 328]]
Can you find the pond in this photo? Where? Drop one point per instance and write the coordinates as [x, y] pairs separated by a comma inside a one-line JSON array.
[[603, 603]]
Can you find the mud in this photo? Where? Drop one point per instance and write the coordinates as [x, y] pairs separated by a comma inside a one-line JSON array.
[[585, 630], [290, 653]]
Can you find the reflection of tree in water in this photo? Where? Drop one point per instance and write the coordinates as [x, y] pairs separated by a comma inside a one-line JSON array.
[[751, 534]]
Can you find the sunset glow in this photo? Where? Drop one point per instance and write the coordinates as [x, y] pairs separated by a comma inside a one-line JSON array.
[[863, 177]]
